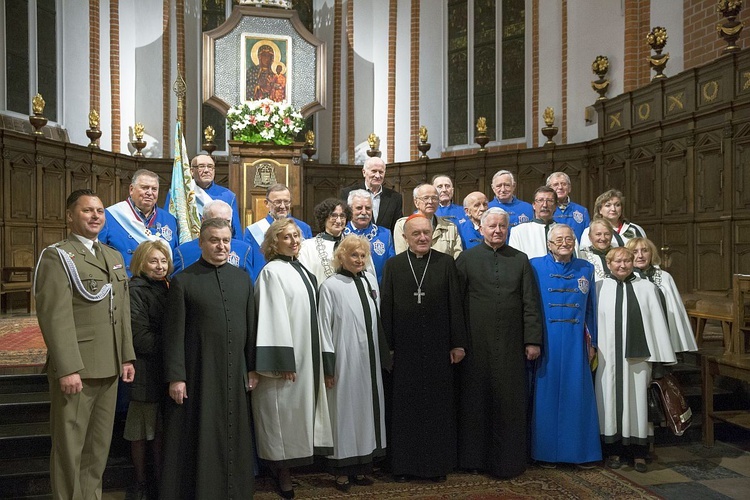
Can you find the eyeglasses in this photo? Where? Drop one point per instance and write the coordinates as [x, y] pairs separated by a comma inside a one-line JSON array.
[[204, 168], [337, 216], [544, 201], [280, 203], [561, 240], [428, 199]]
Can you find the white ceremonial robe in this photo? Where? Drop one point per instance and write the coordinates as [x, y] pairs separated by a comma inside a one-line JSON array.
[[356, 400], [628, 231], [680, 331], [601, 270], [292, 420], [316, 254], [635, 373], [531, 239]]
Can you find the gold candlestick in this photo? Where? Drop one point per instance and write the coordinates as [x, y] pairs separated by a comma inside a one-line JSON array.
[[37, 120], [138, 143]]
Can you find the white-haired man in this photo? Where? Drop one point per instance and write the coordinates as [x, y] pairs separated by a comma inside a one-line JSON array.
[[387, 205], [380, 238], [475, 204], [446, 207], [572, 214], [504, 187], [445, 237]]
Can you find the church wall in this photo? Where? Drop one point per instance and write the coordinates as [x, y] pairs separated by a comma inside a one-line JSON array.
[[323, 14], [365, 46], [702, 43], [669, 13], [75, 98], [432, 74], [403, 134], [550, 67]]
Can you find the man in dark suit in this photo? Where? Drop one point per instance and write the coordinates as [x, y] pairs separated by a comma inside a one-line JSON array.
[[386, 203], [83, 308]]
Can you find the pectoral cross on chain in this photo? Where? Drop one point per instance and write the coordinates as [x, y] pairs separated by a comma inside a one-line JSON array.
[[419, 294]]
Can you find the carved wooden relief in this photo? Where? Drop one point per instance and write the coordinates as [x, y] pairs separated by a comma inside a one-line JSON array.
[[712, 255]]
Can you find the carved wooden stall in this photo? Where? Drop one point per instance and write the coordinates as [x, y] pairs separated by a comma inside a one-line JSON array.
[[679, 150]]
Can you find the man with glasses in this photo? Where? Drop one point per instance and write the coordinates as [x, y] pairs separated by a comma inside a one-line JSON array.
[[531, 238], [203, 169], [565, 424], [279, 203], [504, 187], [445, 237]]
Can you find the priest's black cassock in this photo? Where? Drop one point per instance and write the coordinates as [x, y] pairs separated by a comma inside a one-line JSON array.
[[422, 330], [503, 316], [210, 344]]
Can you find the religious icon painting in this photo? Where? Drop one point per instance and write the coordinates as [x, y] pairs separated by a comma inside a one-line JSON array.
[[266, 67]]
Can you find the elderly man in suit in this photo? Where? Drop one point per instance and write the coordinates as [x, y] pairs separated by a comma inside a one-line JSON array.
[[387, 205], [83, 308]]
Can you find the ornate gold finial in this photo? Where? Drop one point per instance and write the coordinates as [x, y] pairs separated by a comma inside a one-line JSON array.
[[423, 134], [93, 119], [37, 104], [180, 90], [657, 39], [731, 29], [374, 141], [138, 131], [309, 148], [309, 138], [482, 125], [600, 66], [549, 116], [209, 133]]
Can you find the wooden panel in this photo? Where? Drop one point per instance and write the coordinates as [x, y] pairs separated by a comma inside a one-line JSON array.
[[676, 252], [741, 183], [675, 183], [52, 191], [742, 247], [20, 194], [50, 235], [643, 188], [709, 173], [712, 256], [20, 249]]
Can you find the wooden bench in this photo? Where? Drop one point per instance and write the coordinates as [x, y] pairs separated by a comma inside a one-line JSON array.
[[736, 366], [16, 280], [701, 308]]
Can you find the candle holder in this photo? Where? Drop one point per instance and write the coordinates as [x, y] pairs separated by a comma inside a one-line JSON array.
[[482, 138], [309, 150], [37, 120], [93, 132], [374, 142], [423, 146], [138, 143], [209, 146], [549, 131]]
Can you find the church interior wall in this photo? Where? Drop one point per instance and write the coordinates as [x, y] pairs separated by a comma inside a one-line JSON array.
[[75, 82], [550, 67], [402, 134], [323, 10], [432, 74], [365, 45]]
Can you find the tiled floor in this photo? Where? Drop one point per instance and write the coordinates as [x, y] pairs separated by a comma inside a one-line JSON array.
[[691, 471]]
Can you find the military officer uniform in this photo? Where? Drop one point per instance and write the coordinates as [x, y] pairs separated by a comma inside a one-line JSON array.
[[83, 309]]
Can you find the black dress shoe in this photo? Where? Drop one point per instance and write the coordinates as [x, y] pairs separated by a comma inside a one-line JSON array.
[[343, 484], [361, 480], [400, 478]]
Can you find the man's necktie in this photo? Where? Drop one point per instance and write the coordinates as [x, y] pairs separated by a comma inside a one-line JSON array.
[[98, 254]]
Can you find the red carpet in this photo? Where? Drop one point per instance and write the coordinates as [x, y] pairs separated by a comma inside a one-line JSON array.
[[21, 342]]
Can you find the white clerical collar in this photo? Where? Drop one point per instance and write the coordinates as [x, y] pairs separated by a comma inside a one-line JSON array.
[[89, 244]]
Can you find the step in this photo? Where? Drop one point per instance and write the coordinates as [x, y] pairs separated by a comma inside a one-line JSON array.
[[24, 440], [30, 477], [30, 382], [24, 407]]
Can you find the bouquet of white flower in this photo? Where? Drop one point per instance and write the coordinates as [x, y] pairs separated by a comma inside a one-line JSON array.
[[265, 120]]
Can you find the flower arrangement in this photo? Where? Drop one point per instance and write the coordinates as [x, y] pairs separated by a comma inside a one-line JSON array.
[[265, 120]]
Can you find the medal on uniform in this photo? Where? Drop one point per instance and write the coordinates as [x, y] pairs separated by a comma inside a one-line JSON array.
[[148, 232], [93, 285]]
